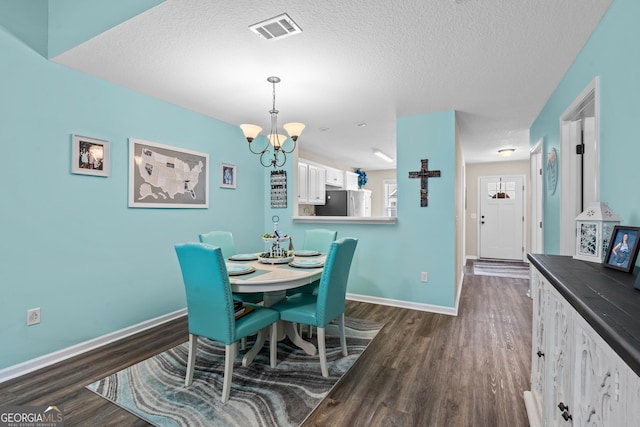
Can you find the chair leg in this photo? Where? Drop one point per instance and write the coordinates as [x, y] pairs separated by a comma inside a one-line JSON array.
[[243, 343], [228, 371], [322, 352], [310, 332], [235, 350], [273, 345], [343, 339], [191, 359]]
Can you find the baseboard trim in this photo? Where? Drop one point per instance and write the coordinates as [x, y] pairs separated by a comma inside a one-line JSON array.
[[457, 306], [438, 309], [75, 350], [532, 413], [83, 347]]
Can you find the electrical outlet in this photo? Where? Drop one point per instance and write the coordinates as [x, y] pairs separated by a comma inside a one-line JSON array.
[[424, 277], [33, 316]]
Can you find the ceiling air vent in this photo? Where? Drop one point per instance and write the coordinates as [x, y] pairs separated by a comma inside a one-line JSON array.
[[276, 28]]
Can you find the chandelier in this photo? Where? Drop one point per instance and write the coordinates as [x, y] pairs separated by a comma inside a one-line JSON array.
[[274, 139]]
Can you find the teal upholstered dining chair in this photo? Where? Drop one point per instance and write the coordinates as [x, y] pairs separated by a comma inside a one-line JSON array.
[[211, 312], [329, 304], [320, 240], [221, 239], [224, 240]]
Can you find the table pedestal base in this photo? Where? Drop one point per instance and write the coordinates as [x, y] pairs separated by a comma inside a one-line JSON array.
[[285, 329]]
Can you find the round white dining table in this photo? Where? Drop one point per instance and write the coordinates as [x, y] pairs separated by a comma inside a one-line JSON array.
[[274, 280]]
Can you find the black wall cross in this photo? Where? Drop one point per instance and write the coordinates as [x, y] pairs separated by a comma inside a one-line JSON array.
[[424, 174]]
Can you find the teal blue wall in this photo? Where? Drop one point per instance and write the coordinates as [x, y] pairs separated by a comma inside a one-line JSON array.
[[71, 246], [613, 54], [51, 27], [27, 20], [69, 243], [389, 258]]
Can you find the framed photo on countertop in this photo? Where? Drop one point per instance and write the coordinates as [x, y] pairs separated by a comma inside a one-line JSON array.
[[623, 248]]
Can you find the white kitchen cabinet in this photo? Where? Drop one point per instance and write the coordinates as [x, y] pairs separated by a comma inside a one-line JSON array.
[[316, 182], [600, 378], [632, 394], [557, 401], [577, 379], [334, 178], [303, 184], [311, 183], [350, 180], [539, 295], [551, 356]]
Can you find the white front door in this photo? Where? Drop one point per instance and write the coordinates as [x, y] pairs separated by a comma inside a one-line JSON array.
[[501, 221]]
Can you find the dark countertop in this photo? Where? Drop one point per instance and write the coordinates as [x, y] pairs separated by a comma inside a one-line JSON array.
[[604, 297]]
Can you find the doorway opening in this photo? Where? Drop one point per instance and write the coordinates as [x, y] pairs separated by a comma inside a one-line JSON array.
[[579, 161], [537, 199]]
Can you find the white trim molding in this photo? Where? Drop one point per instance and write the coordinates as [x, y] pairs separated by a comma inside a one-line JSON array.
[[83, 347], [347, 219], [438, 309]]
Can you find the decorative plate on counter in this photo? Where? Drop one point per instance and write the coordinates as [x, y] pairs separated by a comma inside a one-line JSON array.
[[243, 257], [304, 252], [238, 270], [306, 263]]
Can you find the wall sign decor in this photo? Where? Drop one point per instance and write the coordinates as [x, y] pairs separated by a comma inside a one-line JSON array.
[[552, 171], [228, 175], [162, 176], [424, 174], [89, 156], [279, 189], [623, 249]]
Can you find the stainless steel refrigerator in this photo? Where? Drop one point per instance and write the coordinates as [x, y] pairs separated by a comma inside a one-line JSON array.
[[342, 203]]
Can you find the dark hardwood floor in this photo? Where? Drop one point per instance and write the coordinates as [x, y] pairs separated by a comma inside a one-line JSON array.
[[422, 369]]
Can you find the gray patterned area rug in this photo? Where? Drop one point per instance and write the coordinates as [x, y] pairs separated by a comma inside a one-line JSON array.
[[514, 270], [260, 395]]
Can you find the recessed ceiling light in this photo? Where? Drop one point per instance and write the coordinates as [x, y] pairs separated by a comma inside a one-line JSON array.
[[383, 156], [324, 129], [506, 152], [361, 124]]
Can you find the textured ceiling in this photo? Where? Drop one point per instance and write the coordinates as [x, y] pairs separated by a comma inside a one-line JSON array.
[[495, 62]]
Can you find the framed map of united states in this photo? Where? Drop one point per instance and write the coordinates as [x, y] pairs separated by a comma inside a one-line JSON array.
[[162, 176]]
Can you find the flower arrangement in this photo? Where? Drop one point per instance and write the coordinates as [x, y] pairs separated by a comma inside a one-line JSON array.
[[362, 178]]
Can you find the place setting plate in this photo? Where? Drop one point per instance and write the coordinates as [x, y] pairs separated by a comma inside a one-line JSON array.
[[244, 257], [305, 252], [306, 263], [238, 270]]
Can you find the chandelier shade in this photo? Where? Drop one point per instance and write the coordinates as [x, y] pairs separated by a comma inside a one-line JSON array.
[[293, 129], [250, 131], [275, 140]]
